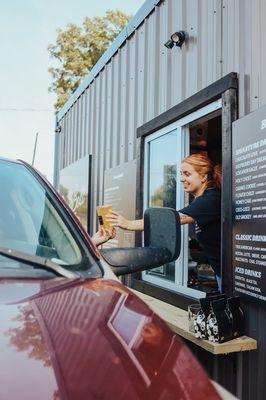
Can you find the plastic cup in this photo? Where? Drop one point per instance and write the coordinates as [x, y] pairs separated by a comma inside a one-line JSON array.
[[102, 211]]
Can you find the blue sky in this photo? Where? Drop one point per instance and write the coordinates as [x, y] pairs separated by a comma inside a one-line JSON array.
[[26, 29]]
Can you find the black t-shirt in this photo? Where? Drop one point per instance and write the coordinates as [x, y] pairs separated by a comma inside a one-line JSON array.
[[206, 212]]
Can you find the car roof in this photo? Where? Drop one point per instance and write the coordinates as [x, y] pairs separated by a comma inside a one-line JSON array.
[[10, 160]]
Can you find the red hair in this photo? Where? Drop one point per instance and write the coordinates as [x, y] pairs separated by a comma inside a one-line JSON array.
[[204, 166]]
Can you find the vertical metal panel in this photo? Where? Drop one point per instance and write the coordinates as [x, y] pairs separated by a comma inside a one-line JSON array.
[[76, 143], [116, 94], [123, 106], [58, 142], [95, 149], [74, 134], [209, 42], [86, 122], [132, 98], [192, 59], [174, 59], [244, 50], [230, 48], [79, 123], [77, 111], [244, 57], [163, 66], [102, 136], [67, 158], [62, 137], [140, 74], [63, 143], [71, 131], [90, 117], [151, 65], [109, 115], [82, 123]]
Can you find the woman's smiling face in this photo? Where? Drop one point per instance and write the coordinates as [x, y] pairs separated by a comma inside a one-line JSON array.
[[193, 182]]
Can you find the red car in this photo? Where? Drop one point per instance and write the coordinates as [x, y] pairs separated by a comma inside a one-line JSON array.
[[68, 328]]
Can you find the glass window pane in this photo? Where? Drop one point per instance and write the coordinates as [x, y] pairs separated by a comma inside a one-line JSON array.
[[162, 184], [162, 171]]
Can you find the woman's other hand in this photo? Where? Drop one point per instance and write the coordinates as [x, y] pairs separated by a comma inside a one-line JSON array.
[[103, 235]]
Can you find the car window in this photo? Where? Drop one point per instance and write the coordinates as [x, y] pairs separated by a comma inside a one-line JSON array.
[[29, 222]]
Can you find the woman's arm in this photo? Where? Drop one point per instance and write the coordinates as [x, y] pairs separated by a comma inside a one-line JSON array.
[[185, 219], [118, 220]]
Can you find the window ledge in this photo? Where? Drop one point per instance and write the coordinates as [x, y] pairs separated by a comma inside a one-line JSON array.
[[177, 320]]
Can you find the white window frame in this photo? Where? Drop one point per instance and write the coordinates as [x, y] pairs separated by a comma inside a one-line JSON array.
[[181, 125]]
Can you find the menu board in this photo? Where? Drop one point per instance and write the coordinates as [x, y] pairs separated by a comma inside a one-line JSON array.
[[74, 188], [249, 204], [120, 193]]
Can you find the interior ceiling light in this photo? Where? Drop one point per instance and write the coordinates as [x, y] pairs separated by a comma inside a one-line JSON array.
[[177, 38]]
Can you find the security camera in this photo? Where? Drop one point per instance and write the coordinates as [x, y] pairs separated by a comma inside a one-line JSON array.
[[177, 38], [169, 44]]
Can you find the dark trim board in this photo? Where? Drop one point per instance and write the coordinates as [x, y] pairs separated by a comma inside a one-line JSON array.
[[229, 115], [193, 103], [139, 185]]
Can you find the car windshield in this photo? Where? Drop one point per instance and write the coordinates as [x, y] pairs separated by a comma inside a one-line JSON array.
[[31, 223]]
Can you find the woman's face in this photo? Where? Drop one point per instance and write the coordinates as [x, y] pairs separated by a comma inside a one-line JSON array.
[[193, 182]]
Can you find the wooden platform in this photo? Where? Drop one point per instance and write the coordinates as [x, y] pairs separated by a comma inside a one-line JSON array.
[[177, 320]]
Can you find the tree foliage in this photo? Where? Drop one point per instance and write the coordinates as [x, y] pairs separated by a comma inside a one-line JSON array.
[[77, 49]]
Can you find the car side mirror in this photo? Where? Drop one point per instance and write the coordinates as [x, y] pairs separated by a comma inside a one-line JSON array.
[[162, 241]]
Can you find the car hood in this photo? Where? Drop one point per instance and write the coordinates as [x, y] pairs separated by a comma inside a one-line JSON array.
[[94, 339]]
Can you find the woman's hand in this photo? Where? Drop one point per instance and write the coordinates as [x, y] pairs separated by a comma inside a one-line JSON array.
[[116, 219], [103, 235]]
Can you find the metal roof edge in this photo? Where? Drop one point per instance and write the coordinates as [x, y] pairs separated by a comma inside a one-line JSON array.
[[138, 18]]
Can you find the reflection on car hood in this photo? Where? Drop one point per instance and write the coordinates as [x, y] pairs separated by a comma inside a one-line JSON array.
[[90, 340]]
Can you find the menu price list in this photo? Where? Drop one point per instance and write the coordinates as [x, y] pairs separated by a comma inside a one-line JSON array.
[[249, 260], [249, 205], [250, 177]]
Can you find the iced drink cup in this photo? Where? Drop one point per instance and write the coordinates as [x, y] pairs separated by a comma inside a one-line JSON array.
[[102, 211]]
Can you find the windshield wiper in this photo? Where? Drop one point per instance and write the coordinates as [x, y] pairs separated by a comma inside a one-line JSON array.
[[36, 261]]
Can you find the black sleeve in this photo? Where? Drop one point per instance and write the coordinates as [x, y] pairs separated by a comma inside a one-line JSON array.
[[204, 209]]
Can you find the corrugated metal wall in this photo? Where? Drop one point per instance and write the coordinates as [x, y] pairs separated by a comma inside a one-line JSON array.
[[144, 79]]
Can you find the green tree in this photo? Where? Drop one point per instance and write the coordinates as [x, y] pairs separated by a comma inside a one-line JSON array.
[[77, 49]]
